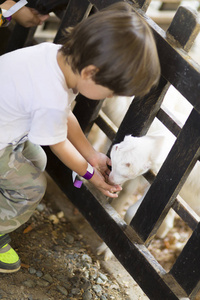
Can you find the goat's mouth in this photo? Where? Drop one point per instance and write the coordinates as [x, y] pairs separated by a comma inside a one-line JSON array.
[[113, 180]]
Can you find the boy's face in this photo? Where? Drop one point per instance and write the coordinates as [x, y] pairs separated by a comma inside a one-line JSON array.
[[94, 91], [88, 88]]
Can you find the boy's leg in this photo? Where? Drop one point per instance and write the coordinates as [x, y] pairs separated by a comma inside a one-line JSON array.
[[22, 185]]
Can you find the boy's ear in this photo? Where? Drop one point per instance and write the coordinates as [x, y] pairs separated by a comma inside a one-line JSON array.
[[88, 72]]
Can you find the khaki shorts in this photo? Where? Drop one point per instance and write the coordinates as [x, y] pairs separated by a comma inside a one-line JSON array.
[[22, 183]]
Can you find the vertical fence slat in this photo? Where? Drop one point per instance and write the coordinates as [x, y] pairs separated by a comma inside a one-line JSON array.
[[188, 264], [86, 111], [74, 13], [187, 19]]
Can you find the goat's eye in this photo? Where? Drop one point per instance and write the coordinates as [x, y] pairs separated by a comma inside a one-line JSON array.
[[127, 165]]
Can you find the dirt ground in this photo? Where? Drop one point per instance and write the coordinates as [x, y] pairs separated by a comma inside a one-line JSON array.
[[57, 248]]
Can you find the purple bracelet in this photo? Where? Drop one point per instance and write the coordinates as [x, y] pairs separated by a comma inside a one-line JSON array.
[[8, 18], [89, 173]]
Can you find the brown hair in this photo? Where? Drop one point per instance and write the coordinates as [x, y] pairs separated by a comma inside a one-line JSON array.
[[120, 44]]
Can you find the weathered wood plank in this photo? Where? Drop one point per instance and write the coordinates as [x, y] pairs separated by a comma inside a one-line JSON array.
[[177, 66], [76, 10], [19, 38], [188, 19], [141, 113], [188, 265], [106, 125], [86, 111], [186, 213]]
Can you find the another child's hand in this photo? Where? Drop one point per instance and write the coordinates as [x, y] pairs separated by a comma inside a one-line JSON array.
[[25, 16], [100, 183], [29, 17]]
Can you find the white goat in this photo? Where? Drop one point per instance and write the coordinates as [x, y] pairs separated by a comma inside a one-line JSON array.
[[135, 156]]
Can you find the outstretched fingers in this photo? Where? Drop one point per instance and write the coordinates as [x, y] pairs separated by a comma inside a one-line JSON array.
[[111, 191]]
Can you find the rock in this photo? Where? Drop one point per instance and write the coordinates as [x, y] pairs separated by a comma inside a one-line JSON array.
[[103, 297], [32, 270], [54, 219], [86, 285], [75, 280], [39, 273], [86, 274], [67, 285], [103, 276], [60, 215], [87, 258], [42, 282], [48, 278], [97, 288], [62, 290], [87, 295], [40, 207], [29, 283], [114, 286], [99, 281], [75, 291], [93, 273], [69, 239]]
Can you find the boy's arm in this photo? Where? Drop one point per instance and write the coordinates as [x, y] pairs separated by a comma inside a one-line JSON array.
[[71, 157], [78, 139], [81, 143]]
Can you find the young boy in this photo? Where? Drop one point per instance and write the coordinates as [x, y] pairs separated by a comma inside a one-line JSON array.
[[110, 53]]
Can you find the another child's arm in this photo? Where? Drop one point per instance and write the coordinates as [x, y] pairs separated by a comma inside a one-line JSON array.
[[25, 16], [76, 151]]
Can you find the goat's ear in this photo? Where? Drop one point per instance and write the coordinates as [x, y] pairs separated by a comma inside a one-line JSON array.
[[127, 144]]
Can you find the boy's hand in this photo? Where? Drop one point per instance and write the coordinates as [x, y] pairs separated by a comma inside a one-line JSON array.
[[101, 162], [100, 183], [100, 178]]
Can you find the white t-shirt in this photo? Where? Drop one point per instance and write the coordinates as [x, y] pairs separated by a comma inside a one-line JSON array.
[[34, 98]]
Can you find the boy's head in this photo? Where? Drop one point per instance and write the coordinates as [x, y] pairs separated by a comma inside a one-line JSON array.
[[120, 45]]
